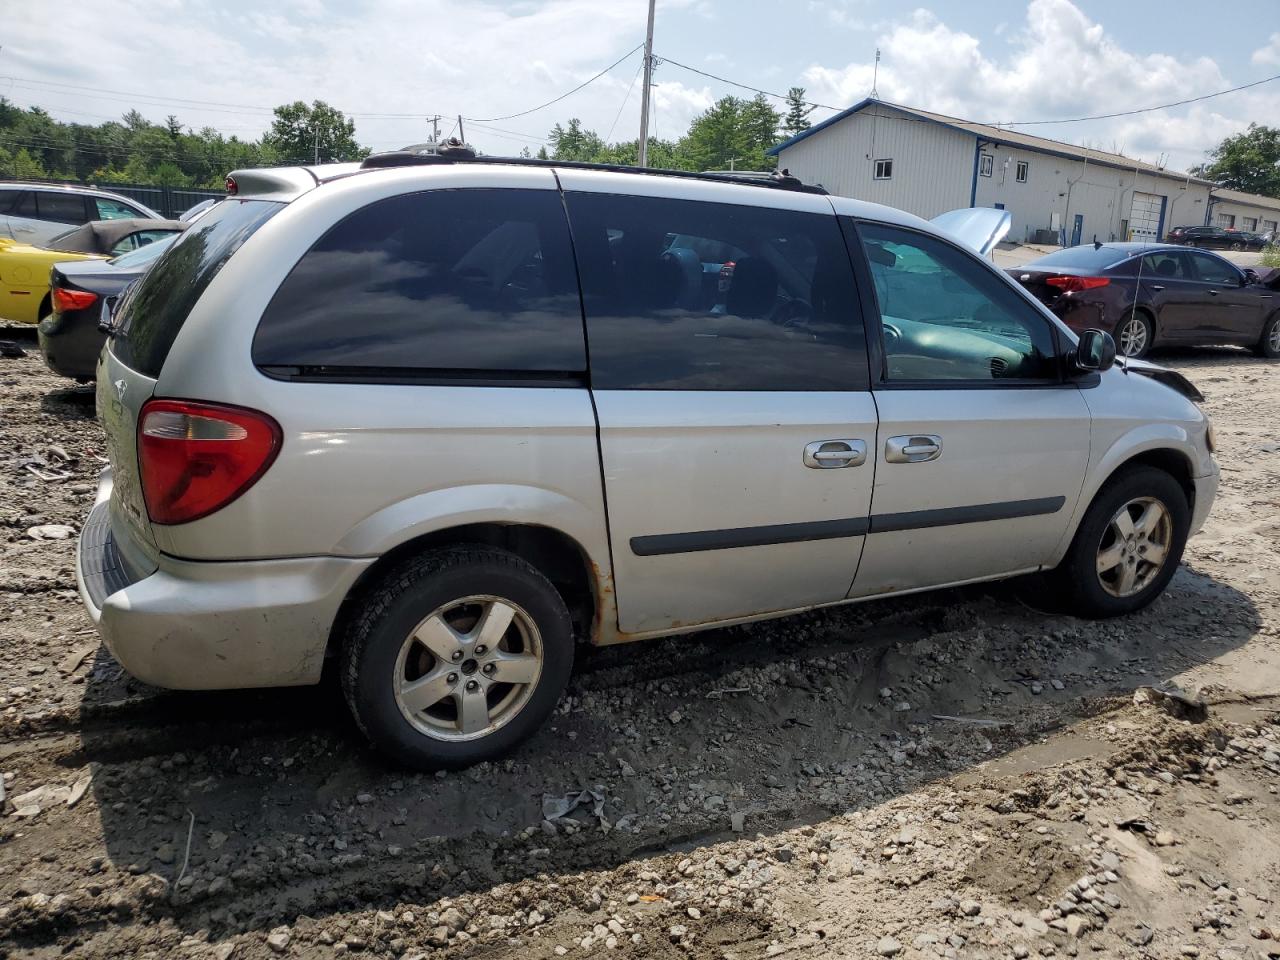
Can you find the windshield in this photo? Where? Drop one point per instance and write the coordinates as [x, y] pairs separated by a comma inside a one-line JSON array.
[[151, 316], [144, 255], [1084, 257]]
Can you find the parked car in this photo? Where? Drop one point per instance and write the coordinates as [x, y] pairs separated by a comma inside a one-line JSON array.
[[1151, 295], [194, 211], [71, 336], [114, 237], [24, 269], [367, 425], [1218, 238], [36, 212]]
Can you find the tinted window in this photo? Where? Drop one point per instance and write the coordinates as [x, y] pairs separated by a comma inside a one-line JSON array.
[[1170, 265], [1212, 270], [151, 315], [947, 317], [780, 313], [1084, 257], [444, 280], [7, 200], [63, 207], [26, 206]]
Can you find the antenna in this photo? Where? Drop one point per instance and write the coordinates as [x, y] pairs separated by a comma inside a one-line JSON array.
[[1137, 289], [875, 76], [642, 158]]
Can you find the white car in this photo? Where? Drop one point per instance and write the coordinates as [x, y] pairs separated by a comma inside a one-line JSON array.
[[37, 212], [444, 418]]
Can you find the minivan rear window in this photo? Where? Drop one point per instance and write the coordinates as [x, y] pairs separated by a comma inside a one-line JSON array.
[[153, 313]]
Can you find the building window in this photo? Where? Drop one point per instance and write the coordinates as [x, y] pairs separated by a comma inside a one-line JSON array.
[[1227, 220], [985, 163], [1249, 223], [1020, 173], [884, 169], [1268, 225]]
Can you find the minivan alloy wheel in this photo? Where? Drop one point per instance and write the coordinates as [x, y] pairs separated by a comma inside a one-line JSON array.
[[1133, 336], [468, 668], [1134, 546]]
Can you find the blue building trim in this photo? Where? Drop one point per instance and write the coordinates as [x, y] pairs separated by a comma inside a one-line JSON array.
[[977, 156]]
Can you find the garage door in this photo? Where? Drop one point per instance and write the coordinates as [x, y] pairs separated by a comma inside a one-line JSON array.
[[1144, 216]]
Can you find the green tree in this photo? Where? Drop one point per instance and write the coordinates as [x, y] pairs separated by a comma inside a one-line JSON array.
[[573, 142], [305, 134], [20, 165], [732, 133], [1248, 161], [797, 118]]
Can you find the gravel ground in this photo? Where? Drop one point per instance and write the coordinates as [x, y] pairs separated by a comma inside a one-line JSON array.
[[951, 774]]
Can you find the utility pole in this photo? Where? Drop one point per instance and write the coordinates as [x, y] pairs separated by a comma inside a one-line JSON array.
[[643, 159], [462, 136], [435, 129], [317, 144]]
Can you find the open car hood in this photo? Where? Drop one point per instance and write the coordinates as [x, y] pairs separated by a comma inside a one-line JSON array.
[[979, 228]]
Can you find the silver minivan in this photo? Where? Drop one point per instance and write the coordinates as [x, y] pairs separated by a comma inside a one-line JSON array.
[[444, 418]]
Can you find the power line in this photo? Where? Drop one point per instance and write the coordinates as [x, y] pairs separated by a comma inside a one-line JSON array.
[[622, 106], [1130, 113], [569, 93], [742, 86]]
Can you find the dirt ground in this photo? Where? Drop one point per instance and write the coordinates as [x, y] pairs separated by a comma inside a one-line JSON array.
[[952, 774]]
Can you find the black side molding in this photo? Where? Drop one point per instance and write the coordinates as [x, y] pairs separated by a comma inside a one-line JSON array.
[[668, 543], [664, 543], [982, 513]]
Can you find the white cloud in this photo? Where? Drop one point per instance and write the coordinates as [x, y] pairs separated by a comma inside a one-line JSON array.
[[442, 56], [1059, 64], [1269, 55]]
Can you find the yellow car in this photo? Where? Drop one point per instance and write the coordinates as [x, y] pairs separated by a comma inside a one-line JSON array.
[[24, 269]]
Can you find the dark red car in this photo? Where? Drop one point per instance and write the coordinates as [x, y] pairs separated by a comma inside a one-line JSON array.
[[1182, 296]]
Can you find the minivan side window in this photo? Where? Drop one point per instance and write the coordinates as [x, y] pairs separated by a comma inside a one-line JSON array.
[[945, 316], [692, 295], [61, 207], [443, 282]]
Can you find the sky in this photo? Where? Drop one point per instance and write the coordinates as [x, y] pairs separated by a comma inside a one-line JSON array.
[[391, 64]]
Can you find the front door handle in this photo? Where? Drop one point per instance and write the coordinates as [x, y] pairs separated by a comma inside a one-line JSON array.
[[1213, 293], [1157, 286], [918, 448], [830, 454]]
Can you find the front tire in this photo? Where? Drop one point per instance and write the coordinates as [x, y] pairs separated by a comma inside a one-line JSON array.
[[1134, 335], [459, 655], [1269, 342], [1127, 547]]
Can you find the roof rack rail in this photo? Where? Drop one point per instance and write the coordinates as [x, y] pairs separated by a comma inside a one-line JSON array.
[[778, 179]]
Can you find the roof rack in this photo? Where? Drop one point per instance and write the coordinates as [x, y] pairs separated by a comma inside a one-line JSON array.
[[778, 179]]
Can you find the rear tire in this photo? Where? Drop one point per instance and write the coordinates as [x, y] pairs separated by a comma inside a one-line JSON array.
[[423, 665], [1134, 334], [1108, 574], [1269, 343]]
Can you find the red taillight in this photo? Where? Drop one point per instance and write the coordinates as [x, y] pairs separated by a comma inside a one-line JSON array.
[[64, 300], [195, 458], [1073, 284]]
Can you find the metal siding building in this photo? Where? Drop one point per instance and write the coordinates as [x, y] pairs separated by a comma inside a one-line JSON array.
[[1245, 211], [941, 162]]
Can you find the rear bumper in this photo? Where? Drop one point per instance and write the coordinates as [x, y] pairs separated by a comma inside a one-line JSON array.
[[70, 344], [213, 626]]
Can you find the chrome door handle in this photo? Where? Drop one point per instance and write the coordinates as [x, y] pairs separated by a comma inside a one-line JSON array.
[[830, 454], [1157, 286], [912, 449], [1213, 293]]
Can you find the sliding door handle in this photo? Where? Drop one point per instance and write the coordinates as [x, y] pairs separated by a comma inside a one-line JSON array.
[[912, 449], [829, 454]]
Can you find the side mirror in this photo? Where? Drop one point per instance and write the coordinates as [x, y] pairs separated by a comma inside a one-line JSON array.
[[1096, 351], [1250, 276]]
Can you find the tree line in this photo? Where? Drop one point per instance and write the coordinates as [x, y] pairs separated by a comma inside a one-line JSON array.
[[733, 133], [33, 145]]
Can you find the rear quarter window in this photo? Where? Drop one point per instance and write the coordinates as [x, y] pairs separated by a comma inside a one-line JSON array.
[[152, 314], [447, 283]]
